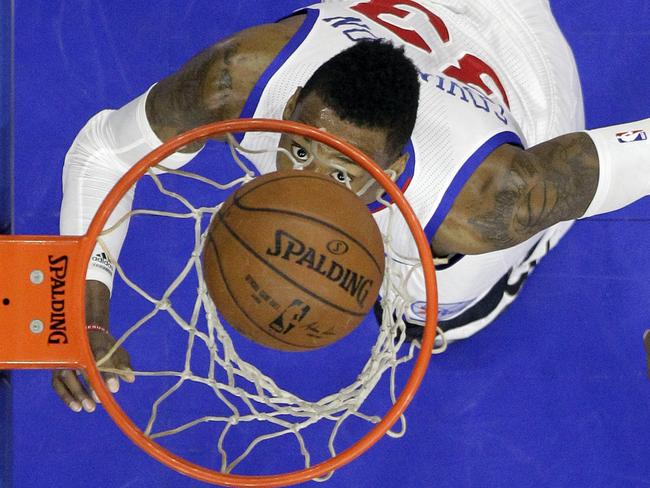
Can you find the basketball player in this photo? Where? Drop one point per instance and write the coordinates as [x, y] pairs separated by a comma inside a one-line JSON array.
[[474, 107]]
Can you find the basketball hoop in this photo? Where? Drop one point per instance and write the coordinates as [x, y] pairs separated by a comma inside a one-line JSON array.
[[42, 298]]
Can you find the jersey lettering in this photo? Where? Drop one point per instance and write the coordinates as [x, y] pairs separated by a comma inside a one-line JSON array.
[[353, 28], [469, 95], [469, 68], [374, 11]]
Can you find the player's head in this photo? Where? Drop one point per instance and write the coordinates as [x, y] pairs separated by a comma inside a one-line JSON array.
[[368, 95]]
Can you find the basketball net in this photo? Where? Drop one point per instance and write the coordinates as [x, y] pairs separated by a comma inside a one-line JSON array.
[[238, 397]]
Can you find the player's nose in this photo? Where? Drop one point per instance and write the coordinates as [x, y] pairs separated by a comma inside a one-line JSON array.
[[320, 168], [316, 168]]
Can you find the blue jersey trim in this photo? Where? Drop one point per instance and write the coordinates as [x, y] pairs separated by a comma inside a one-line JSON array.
[[254, 97], [463, 175]]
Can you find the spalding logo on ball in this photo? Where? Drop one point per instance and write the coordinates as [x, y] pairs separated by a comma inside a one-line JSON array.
[[293, 260]]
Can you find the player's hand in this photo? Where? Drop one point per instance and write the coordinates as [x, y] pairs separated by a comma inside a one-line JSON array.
[[78, 394]]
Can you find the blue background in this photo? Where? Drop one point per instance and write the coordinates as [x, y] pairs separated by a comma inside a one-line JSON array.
[[6, 211], [553, 394]]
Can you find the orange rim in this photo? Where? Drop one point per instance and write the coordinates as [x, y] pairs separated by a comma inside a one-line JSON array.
[[266, 125]]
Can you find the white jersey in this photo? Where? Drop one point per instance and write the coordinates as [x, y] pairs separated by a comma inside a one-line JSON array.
[[485, 81]]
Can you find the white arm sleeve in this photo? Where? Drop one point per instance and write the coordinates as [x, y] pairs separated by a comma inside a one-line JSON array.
[[624, 166], [103, 151]]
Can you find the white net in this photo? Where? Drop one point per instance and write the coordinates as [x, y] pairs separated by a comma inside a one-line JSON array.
[[200, 372]]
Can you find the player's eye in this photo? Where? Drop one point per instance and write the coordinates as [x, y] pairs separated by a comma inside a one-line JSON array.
[[299, 152], [341, 177]]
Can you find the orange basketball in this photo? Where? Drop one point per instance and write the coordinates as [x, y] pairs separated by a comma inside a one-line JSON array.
[[293, 260]]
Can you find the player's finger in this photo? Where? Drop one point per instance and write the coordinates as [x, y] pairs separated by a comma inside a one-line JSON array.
[[64, 394], [128, 375], [78, 390], [89, 386], [71, 381], [122, 362], [111, 379], [117, 361]]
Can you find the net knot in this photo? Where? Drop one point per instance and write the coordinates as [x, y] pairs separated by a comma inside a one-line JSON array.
[[164, 304]]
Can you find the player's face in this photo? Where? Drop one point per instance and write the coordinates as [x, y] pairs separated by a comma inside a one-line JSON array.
[[328, 161]]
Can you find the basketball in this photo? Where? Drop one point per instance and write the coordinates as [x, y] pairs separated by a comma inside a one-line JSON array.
[[293, 260]]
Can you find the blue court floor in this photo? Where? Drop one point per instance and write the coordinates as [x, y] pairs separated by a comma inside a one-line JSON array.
[[554, 394]]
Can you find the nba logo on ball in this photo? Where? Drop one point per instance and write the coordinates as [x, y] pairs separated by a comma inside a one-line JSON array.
[[631, 136]]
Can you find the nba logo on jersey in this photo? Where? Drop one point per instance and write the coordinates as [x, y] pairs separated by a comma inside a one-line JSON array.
[[631, 136]]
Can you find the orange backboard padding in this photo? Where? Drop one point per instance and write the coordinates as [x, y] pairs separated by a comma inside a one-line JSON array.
[[41, 303]]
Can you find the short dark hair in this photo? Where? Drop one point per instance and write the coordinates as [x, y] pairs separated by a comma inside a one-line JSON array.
[[371, 84]]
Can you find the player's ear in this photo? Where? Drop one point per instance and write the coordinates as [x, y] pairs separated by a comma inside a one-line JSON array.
[[399, 165], [291, 105]]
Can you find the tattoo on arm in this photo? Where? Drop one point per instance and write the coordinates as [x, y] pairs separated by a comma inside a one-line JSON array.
[[552, 182], [199, 93], [215, 84]]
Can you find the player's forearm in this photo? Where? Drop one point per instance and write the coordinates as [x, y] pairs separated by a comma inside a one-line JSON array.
[[573, 176], [89, 173], [560, 181], [515, 194], [590, 173], [103, 151], [97, 304], [598, 171]]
